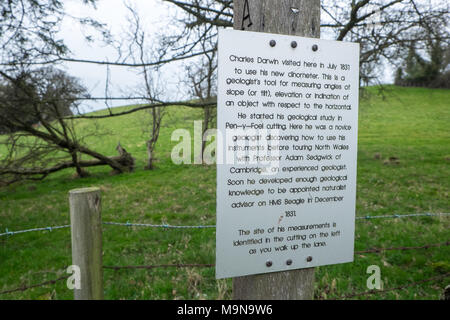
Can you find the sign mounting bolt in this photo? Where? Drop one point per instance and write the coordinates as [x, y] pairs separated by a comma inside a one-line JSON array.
[[268, 264], [294, 44], [309, 259], [289, 262], [295, 10], [272, 43], [315, 47]]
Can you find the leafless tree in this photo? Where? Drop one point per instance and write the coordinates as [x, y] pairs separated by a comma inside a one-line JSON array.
[[37, 102], [384, 29], [201, 79], [39, 138], [139, 52]]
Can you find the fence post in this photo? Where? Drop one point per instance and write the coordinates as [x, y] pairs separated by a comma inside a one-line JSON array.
[[86, 229], [291, 17]]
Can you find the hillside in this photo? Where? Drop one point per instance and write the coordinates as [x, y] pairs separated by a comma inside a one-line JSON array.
[[410, 124]]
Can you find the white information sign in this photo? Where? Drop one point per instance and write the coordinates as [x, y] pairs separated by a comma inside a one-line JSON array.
[[286, 156]]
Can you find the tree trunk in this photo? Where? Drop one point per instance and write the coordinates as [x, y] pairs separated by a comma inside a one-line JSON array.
[[206, 120], [124, 159], [80, 172], [150, 157], [151, 143]]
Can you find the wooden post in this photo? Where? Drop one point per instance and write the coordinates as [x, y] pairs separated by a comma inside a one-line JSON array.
[[291, 17], [86, 228]]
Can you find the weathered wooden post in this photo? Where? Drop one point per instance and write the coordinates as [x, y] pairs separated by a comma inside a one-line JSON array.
[[86, 228], [290, 17]]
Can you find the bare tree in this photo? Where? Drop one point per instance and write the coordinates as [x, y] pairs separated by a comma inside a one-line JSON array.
[[36, 103], [202, 80], [384, 28], [139, 52], [33, 108]]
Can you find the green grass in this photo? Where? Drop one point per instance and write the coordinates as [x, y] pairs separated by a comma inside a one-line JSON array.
[[411, 124]]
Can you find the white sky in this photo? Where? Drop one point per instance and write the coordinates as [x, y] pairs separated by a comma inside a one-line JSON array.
[[123, 81], [154, 14]]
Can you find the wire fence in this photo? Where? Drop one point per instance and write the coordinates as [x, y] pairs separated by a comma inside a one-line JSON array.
[[346, 296], [426, 246], [37, 285], [381, 291], [165, 226], [211, 265], [168, 226], [11, 233]]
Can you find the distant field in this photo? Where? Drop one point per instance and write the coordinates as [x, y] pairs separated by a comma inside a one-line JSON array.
[[411, 124]]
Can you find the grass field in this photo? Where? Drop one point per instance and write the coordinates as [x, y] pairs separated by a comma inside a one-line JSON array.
[[411, 124]]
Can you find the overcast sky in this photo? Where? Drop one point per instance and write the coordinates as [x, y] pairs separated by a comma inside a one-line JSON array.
[[113, 13], [123, 81]]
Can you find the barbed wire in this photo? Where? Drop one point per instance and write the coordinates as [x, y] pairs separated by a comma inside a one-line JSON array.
[[346, 296], [426, 246], [11, 233], [212, 265], [177, 265], [168, 226], [374, 250], [392, 216], [42, 284], [381, 291]]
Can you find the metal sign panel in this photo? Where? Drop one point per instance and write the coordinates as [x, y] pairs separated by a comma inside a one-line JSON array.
[[286, 155]]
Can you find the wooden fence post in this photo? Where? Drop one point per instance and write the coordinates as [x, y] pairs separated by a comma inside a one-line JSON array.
[[291, 17], [86, 229]]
